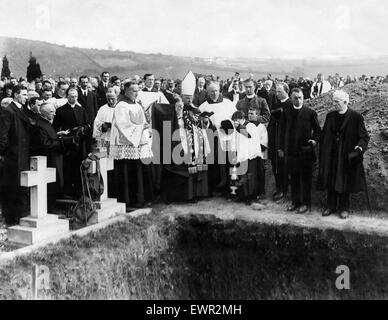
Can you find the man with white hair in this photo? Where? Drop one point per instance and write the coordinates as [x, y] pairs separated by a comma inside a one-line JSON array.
[[46, 142], [220, 109], [343, 142], [5, 102], [320, 86], [268, 93]]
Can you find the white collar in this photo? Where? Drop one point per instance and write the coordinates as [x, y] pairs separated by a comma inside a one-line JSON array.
[[251, 96], [298, 108], [17, 104], [284, 100]]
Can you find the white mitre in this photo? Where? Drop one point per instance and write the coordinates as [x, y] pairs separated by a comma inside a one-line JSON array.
[[189, 84]]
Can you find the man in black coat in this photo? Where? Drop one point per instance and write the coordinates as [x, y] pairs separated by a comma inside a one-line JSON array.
[[71, 122], [87, 99], [268, 93], [168, 92], [252, 101], [235, 94], [277, 163], [299, 135], [14, 148], [102, 89], [343, 142], [45, 142], [200, 93], [32, 108]]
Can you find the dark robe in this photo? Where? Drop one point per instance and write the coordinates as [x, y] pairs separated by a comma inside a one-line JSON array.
[[152, 90], [257, 103], [177, 183], [199, 97], [45, 142], [89, 103], [57, 96], [297, 127], [218, 172], [31, 114], [15, 148], [339, 138], [169, 96], [248, 183], [101, 94], [269, 96], [230, 95], [278, 167], [76, 145]]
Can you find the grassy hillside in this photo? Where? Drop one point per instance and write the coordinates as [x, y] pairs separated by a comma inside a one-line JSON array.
[[58, 60]]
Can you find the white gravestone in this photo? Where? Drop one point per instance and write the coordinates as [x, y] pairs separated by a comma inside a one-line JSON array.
[[106, 207], [40, 225]]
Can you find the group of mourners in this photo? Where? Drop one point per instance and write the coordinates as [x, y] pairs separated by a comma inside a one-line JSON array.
[[184, 145]]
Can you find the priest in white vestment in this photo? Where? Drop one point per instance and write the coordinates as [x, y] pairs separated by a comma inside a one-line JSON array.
[[130, 146], [103, 121]]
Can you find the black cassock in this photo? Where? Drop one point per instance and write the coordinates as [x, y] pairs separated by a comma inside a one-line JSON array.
[[178, 184], [297, 127], [339, 138], [277, 163], [45, 142], [76, 145], [14, 147]]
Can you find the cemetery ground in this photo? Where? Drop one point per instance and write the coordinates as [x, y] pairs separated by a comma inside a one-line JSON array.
[[213, 249]]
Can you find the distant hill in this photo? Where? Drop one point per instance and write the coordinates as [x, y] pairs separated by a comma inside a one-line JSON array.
[[58, 60]]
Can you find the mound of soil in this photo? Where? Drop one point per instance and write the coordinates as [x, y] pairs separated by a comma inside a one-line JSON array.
[[372, 102]]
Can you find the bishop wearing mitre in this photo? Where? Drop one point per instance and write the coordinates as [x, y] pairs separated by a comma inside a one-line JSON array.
[[186, 178]]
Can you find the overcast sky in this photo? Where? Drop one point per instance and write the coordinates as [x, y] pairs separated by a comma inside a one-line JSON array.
[[206, 28]]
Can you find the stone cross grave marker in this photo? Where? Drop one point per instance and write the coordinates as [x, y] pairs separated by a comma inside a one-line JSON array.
[[37, 179], [107, 207], [39, 225]]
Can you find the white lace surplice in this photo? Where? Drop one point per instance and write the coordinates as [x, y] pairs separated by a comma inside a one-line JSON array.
[[129, 139]]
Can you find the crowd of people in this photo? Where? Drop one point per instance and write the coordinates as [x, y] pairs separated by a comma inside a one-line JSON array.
[[220, 135]]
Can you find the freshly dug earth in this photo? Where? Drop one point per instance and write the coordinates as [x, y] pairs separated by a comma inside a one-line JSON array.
[[372, 102], [170, 256]]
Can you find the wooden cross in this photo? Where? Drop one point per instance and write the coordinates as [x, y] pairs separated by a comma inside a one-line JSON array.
[[37, 179]]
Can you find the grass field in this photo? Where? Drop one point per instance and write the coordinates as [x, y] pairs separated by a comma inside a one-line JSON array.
[[201, 257]]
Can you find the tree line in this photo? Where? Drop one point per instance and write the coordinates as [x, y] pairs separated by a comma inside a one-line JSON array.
[[33, 68]]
